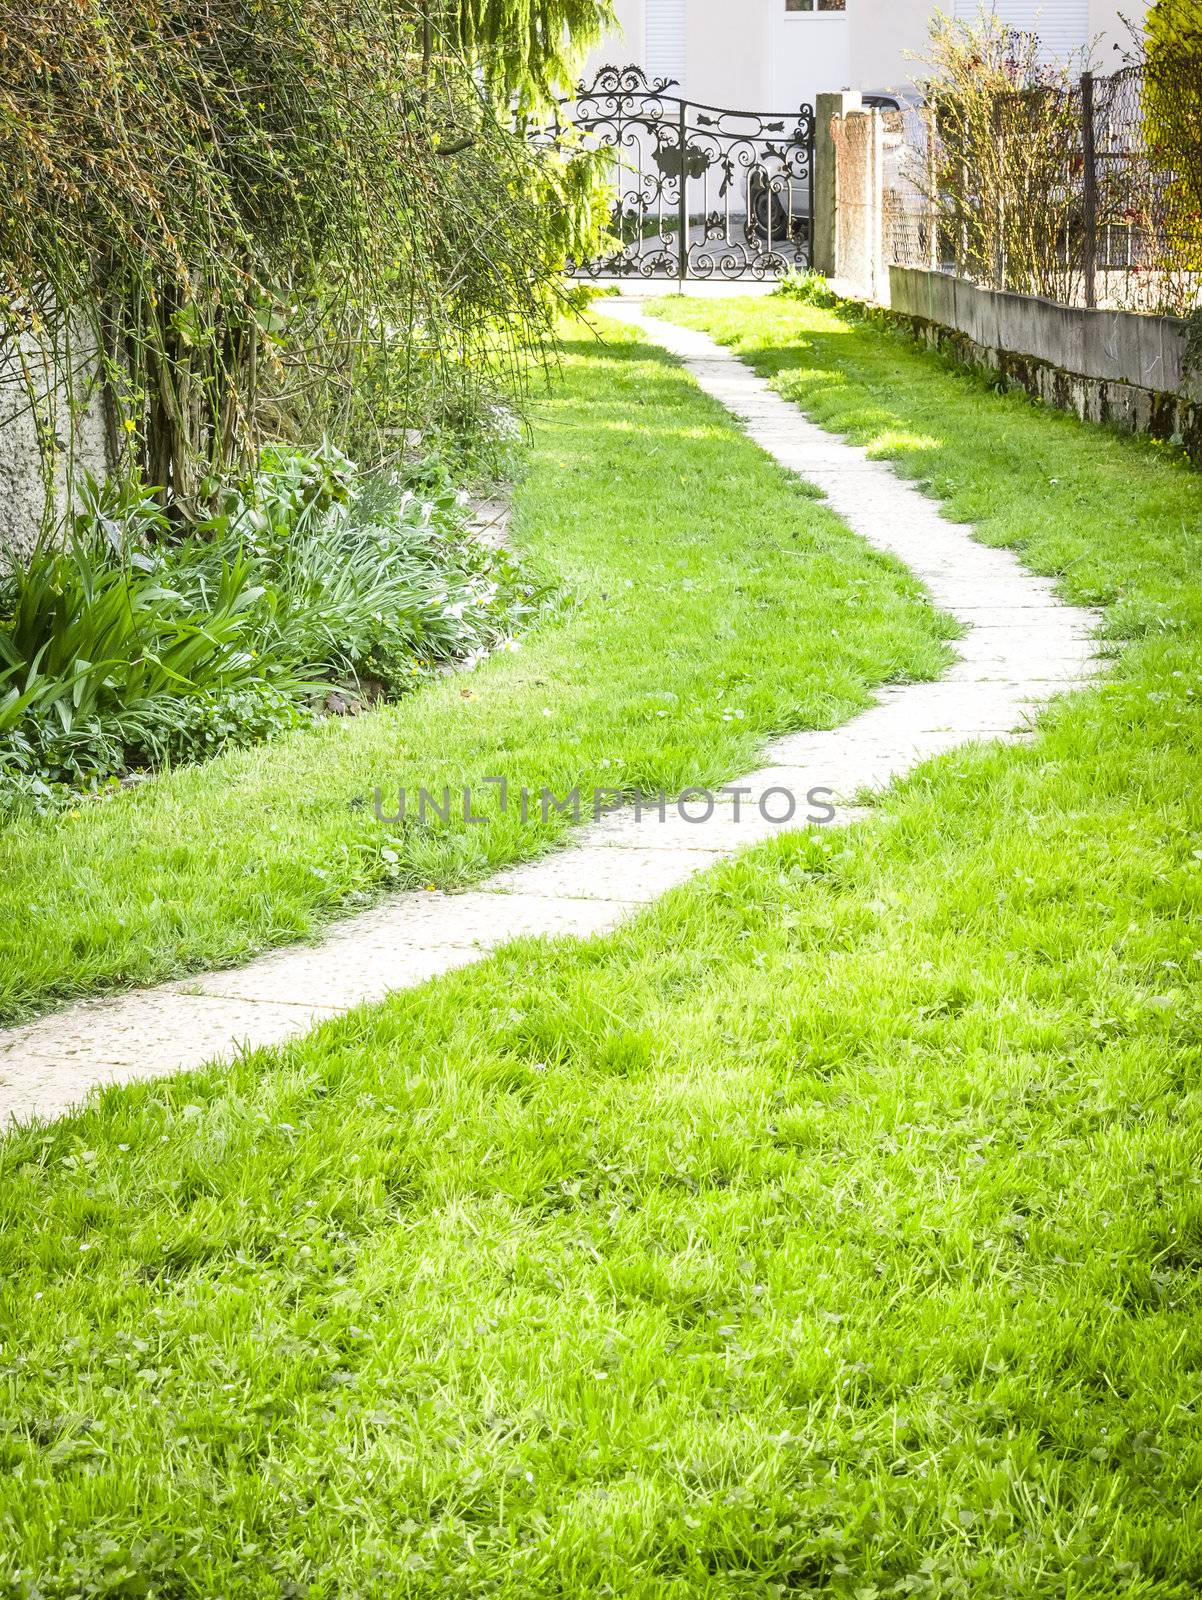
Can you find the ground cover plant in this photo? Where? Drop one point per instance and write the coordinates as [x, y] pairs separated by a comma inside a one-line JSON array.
[[835, 1229], [714, 602], [124, 648]]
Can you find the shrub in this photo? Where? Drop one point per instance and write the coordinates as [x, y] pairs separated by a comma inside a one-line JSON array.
[[1173, 127], [97, 641], [370, 579], [248, 209], [1005, 178]]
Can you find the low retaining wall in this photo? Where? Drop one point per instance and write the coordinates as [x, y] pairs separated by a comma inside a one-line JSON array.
[[1106, 366]]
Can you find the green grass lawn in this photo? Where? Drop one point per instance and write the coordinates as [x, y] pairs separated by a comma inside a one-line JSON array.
[[835, 1229], [715, 602]]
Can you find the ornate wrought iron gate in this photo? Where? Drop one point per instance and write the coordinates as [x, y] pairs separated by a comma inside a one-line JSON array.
[[701, 192]]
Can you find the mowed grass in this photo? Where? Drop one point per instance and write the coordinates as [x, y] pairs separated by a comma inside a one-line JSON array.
[[835, 1229], [715, 602]]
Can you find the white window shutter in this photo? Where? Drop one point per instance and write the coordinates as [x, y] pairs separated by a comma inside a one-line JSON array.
[[665, 40], [1062, 25]]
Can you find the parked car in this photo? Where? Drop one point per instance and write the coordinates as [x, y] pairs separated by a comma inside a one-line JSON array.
[[778, 204]]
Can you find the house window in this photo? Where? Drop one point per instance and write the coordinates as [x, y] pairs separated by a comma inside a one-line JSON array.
[[665, 41], [800, 7], [1062, 26]]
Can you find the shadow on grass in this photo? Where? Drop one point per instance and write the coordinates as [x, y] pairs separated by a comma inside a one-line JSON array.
[[622, 352]]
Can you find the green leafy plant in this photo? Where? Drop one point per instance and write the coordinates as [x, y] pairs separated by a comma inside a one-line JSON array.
[[1005, 173], [1192, 365], [123, 647], [98, 641], [810, 288], [1172, 62]]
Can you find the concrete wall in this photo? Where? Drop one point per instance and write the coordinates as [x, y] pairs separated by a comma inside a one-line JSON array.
[[726, 65], [830, 109], [886, 37], [67, 423], [857, 230], [752, 55], [1106, 366], [810, 54], [624, 44]]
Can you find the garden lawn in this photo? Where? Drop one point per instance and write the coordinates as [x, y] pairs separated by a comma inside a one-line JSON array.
[[833, 1229], [715, 602]]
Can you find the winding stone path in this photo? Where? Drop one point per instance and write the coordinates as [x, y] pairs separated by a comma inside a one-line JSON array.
[[1024, 646]]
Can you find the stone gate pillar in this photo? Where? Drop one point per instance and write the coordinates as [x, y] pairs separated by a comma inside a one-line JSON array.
[[827, 106]]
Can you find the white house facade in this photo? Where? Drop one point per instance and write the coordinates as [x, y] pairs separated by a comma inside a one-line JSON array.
[[776, 54]]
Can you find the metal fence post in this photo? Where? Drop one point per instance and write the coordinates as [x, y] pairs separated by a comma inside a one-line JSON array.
[[932, 187], [811, 163], [999, 217], [1090, 155], [683, 270]]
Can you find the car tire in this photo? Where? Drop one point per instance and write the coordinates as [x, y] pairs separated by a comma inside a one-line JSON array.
[[768, 214]]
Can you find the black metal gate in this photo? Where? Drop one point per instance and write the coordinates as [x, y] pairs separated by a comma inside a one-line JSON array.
[[701, 192]]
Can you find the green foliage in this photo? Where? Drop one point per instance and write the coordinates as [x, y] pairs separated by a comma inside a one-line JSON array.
[[96, 642], [376, 583], [120, 648], [1172, 25], [1192, 365], [1173, 122], [246, 208], [831, 1230], [1008, 136], [712, 606], [529, 48], [807, 287]]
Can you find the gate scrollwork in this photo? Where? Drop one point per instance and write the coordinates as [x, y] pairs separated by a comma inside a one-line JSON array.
[[699, 191]]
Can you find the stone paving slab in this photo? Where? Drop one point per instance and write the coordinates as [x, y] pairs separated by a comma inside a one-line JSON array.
[[1023, 647], [1035, 621], [49, 1065], [367, 959], [591, 872], [1063, 674], [335, 977], [719, 832]]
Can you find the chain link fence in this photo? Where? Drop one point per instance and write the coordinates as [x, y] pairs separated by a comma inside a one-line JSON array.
[[911, 219], [1085, 193]]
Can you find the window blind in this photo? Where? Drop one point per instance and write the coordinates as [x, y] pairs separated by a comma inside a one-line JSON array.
[[665, 54], [1062, 25]]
